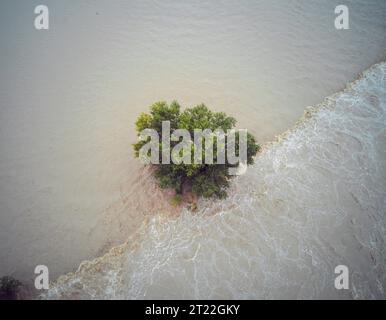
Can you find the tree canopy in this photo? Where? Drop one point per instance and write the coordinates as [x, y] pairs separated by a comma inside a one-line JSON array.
[[203, 179]]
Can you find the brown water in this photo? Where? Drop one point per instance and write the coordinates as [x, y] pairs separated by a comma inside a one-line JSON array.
[[69, 186], [314, 200]]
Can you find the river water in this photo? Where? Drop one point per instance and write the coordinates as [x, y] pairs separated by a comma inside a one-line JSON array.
[[314, 200], [70, 188]]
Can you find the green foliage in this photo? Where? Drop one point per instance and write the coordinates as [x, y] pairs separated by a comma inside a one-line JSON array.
[[177, 199], [9, 288], [213, 183], [200, 117], [161, 111], [206, 180]]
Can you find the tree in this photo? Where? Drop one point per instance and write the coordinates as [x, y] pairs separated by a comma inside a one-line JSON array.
[[9, 288], [203, 179]]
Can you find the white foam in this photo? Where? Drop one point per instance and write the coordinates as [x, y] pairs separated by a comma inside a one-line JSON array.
[[314, 199]]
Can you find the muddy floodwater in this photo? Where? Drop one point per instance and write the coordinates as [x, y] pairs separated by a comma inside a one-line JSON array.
[[70, 188]]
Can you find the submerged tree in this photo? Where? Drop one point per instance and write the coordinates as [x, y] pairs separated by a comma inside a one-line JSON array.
[[202, 178]]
